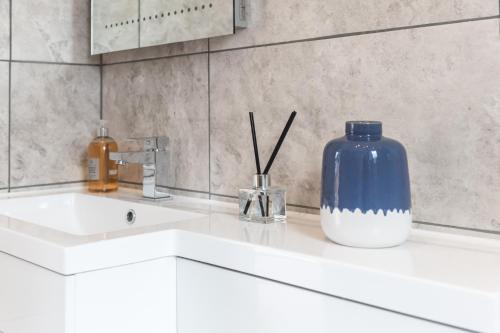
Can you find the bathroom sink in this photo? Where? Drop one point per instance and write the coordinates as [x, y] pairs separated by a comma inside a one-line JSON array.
[[83, 214]]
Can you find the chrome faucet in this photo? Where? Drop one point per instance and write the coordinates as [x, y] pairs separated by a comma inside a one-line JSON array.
[[154, 147]]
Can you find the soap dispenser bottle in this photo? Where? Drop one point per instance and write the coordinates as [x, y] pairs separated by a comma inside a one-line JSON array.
[[102, 172]]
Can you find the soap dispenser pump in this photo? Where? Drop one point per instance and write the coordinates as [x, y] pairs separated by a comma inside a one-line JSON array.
[[102, 172]]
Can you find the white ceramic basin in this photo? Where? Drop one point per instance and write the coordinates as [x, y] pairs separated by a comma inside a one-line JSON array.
[[82, 214]]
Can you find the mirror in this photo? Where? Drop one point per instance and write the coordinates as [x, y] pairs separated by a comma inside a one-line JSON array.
[[128, 24]]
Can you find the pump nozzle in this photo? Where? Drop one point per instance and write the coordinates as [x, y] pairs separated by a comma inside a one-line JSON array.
[[103, 130]]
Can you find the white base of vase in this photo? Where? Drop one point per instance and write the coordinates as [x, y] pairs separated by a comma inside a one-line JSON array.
[[369, 230]]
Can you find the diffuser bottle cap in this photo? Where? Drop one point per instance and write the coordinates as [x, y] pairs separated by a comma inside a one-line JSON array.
[[262, 181], [103, 130], [371, 128]]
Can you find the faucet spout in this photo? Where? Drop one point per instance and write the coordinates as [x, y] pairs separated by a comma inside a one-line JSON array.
[[153, 149], [133, 157]]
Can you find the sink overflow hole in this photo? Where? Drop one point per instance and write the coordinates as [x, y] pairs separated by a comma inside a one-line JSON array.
[[130, 216]]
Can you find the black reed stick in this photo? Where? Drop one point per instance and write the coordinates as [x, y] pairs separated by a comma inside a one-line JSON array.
[[247, 206], [254, 139], [257, 163], [249, 202], [280, 142]]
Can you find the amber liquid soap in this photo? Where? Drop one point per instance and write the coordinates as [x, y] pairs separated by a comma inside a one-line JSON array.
[[102, 172]]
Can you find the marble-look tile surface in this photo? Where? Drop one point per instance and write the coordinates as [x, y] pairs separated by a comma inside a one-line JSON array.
[[4, 124], [55, 114], [286, 20], [4, 30], [115, 25], [156, 52], [167, 97], [435, 89], [52, 30]]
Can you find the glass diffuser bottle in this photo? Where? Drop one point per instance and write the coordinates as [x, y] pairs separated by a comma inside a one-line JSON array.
[[262, 202]]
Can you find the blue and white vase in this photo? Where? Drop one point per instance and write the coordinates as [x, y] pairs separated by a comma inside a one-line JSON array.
[[365, 192]]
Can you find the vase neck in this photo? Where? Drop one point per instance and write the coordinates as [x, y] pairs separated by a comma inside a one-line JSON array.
[[353, 137], [363, 130]]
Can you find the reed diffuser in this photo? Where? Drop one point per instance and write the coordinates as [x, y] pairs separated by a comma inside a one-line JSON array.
[[262, 202]]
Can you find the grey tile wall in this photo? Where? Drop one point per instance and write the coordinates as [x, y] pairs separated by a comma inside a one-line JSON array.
[[49, 111], [52, 122], [435, 89], [279, 21], [4, 29], [168, 50], [427, 69], [52, 30], [166, 97]]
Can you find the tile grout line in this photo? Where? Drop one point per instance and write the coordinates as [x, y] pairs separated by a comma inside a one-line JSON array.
[[155, 58], [167, 187], [48, 62], [209, 125], [184, 190], [359, 33], [313, 39], [48, 184], [53, 63], [101, 112], [288, 204], [446, 226], [415, 222], [486, 231], [9, 111]]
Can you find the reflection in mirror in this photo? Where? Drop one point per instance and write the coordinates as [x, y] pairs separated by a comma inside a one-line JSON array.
[[115, 25], [169, 21], [128, 24]]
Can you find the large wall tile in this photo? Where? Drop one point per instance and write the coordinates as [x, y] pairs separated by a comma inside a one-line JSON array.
[[4, 30], [286, 20], [166, 97], [436, 90], [55, 114], [156, 51], [52, 30], [4, 124]]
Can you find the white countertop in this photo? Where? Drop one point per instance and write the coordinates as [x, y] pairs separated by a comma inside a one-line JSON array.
[[448, 278]]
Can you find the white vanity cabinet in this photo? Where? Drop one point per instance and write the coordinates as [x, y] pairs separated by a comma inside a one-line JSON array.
[[133, 298], [33, 299], [136, 298], [190, 266], [217, 300], [179, 295]]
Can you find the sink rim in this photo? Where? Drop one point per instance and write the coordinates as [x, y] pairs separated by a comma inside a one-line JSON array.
[[22, 223]]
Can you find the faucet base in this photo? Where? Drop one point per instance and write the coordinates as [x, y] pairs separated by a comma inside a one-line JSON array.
[[158, 195]]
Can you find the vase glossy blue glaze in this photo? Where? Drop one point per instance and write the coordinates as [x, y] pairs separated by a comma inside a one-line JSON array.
[[365, 192]]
